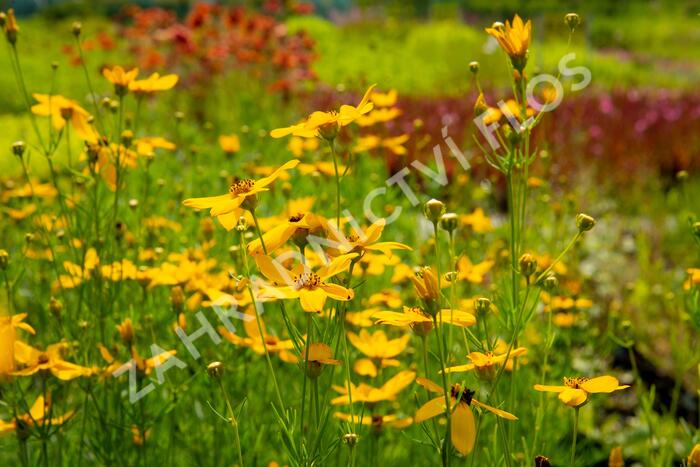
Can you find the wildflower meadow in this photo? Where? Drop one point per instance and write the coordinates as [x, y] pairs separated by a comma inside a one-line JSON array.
[[349, 233]]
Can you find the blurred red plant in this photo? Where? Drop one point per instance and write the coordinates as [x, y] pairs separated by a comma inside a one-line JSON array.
[[213, 39]]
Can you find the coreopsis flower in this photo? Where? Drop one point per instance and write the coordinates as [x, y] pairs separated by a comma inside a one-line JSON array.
[[327, 124], [486, 364], [477, 220], [389, 297], [462, 426], [11, 27], [694, 456], [470, 272], [366, 393], [319, 355], [575, 391], [379, 116], [297, 226], [693, 278], [257, 342], [426, 285], [230, 144], [360, 241], [242, 195], [376, 421], [421, 322], [8, 337], [34, 360], [147, 145], [152, 84], [37, 416], [387, 99], [514, 39], [63, 111], [311, 288], [394, 144], [120, 78], [378, 348]]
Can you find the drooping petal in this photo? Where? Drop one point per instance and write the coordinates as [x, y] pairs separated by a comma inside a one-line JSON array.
[[543, 388], [463, 429], [499, 412], [573, 397], [430, 409], [429, 385], [312, 300]]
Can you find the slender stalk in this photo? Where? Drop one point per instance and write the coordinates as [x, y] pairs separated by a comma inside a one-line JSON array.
[[331, 144], [572, 463], [233, 421]]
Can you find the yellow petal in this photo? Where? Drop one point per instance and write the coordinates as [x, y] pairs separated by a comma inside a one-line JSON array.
[[463, 429], [430, 409], [600, 384]]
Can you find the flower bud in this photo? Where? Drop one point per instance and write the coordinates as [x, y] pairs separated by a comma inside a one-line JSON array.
[[541, 461], [77, 28], [126, 331], [449, 222], [177, 299], [133, 203], [584, 222], [572, 20], [4, 259], [433, 210], [11, 27], [3, 19], [482, 305], [18, 148], [242, 225], [351, 439], [328, 131], [528, 265], [550, 283], [127, 137], [215, 370], [694, 457], [55, 307], [474, 67]]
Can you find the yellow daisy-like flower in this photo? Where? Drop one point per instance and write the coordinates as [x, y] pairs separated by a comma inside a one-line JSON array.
[[360, 241], [241, 195], [421, 322], [63, 111], [152, 84], [486, 364], [366, 393], [258, 342], [311, 288], [37, 415], [514, 39], [35, 360], [297, 226], [462, 426], [327, 124], [377, 346], [575, 391], [120, 78], [8, 337], [230, 143]]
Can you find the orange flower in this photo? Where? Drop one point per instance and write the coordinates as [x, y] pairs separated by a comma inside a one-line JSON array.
[[152, 84], [63, 111], [514, 39], [120, 78]]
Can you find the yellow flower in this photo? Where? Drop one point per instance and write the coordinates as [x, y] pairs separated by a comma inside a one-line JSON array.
[[377, 422], [35, 417], [575, 391], [35, 360], [120, 78], [478, 221], [254, 339], [11, 26], [385, 100], [243, 193], [320, 354], [298, 226], [146, 145], [425, 284], [486, 364], [126, 330], [230, 143], [366, 393], [360, 241], [327, 123], [8, 337], [150, 85], [393, 144], [389, 297], [694, 457], [299, 146], [421, 322], [311, 288], [462, 426], [514, 39], [377, 346], [473, 273], [62, 111], [379, 116]]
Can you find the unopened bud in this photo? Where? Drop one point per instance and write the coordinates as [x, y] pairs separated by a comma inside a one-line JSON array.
[[584, 222], [433, 210], [77, 28], [242, 225], [55, 307], [572, 20], [177, 299], [351, 439], [550, 283], [541, 461], [528, 265], [449, 222], [11, 27], [4, 259], [18, 148], [215, 369], [127, 137], [474, 67], [482, 305]]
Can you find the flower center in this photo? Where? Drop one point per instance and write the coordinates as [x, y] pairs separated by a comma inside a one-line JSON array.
[[465, 396], [307, 280], [240, 187], [575, 383], [353, 238], [43, 358], [377, 421], [297, 217]]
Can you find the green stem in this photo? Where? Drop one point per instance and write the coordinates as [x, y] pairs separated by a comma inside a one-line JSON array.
[[337, 182], [573, 444], [233, 421]]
